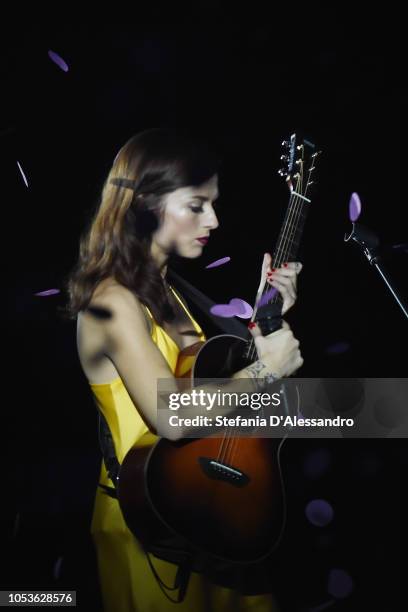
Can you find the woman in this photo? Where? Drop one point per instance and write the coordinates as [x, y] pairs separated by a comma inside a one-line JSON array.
[[131, 327]]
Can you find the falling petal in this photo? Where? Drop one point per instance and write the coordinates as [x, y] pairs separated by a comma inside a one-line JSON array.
[[338, 348], [401, 247], [218, 262], [22, 174], [58, 60], [57, 568], [223, 310], [354, 207], [267, 296], [47, 292], [340, 584], [319, 512], [243, 309]]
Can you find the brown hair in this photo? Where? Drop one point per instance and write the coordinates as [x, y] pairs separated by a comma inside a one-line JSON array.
[[117, 240]]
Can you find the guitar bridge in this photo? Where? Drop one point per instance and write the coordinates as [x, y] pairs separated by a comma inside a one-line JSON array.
[[222, 471]]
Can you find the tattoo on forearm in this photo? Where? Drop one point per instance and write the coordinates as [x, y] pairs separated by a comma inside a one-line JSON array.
[[256, 368], [260, 375]]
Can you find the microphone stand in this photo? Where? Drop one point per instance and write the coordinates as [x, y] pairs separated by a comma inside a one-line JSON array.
[[369, 242]]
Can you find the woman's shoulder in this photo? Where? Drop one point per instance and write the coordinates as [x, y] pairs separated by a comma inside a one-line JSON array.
[[109, 292], [109, 288], [117, 300]]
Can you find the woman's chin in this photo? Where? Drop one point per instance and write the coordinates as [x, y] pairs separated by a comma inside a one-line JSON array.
[[192, 252]]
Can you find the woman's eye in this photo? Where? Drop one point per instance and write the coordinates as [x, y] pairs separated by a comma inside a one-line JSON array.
[[198, 208]]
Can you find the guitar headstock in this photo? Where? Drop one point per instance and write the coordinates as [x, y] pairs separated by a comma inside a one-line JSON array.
[[299, 162]]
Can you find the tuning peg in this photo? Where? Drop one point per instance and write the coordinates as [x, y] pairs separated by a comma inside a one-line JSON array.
[[316, 154], [310, 183], [299, 148], [284, 157], [282, 172], [285, 143]]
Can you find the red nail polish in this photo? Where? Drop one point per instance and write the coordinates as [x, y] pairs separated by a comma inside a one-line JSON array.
[[251, 325], [286, 265], [273, 270]]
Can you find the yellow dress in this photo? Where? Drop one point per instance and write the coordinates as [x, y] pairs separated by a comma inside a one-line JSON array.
[[126, 579]]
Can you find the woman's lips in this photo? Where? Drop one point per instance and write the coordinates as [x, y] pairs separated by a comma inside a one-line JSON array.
[[202, 240]]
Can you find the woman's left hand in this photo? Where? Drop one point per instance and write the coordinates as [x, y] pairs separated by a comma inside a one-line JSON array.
[[284, 279]]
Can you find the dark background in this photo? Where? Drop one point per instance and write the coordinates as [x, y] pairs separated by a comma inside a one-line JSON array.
[[247, 82]]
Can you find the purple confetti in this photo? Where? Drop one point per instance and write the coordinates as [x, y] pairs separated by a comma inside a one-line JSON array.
[[58, 60], [47, 292], [218, 262], [401, 247], [22, 174], [223, 310], [235, 308], [340, 584], [57, 568], [338, 348], [244, 310], [267, 296], [319, 512], [354, 207]]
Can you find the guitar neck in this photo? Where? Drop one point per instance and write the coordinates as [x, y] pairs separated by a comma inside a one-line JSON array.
[[287, 246]]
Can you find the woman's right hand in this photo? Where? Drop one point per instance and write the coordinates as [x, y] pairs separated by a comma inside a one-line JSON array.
[[279, 351]]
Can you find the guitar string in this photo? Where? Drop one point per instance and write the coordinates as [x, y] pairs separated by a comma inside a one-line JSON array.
[[289, 223], [292, 222], [290, 226], [288, 232], [278, 255], [232, 445], [298, 209]]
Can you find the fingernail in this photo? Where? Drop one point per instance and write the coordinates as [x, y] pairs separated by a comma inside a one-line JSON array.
[[286, 265], [251, 325]]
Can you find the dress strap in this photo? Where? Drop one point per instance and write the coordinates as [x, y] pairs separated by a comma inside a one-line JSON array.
[[149, 317], [195, 324]]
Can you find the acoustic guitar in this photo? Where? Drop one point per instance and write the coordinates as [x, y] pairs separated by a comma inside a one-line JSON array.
[[192, 497]]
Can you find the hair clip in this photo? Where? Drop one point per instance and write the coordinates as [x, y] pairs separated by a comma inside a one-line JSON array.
[[124, 182]]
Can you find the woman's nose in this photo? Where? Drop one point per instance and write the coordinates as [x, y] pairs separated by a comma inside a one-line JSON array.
[[211, 221]]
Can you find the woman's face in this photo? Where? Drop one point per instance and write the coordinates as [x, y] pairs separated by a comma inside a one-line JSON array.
[[188, 215]]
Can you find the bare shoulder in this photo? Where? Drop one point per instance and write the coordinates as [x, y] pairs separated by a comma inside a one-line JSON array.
[[112, 308], [114, 304]]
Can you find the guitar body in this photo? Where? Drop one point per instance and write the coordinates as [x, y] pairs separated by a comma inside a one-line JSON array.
[[181, 497]]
